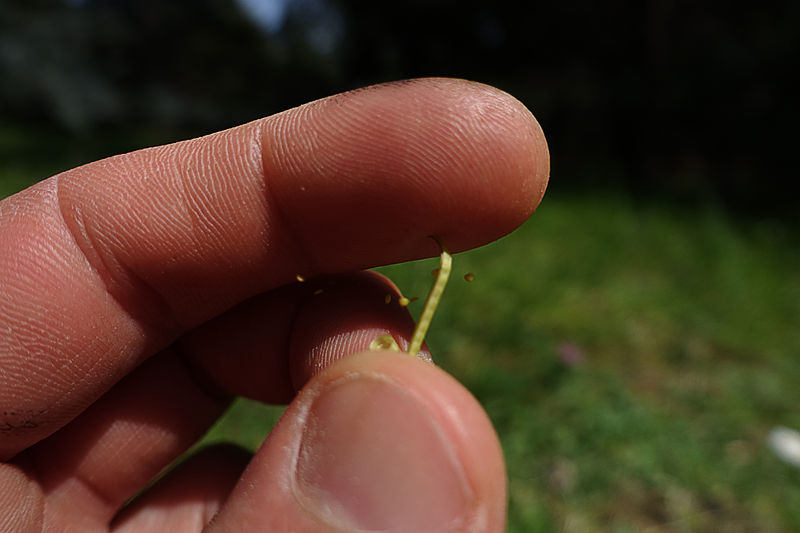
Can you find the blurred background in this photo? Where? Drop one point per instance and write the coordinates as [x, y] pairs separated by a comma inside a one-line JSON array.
[[637, 340]]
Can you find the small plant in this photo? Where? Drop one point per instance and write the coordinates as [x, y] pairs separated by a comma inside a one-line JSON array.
[[387, 342]]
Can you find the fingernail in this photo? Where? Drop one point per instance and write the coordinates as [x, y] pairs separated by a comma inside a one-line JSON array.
[[373, 459]]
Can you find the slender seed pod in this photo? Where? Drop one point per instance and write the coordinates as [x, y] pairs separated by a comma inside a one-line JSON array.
[[387, 342], [432, 302]]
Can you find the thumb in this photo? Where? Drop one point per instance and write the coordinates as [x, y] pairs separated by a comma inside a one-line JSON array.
[[377, 442]]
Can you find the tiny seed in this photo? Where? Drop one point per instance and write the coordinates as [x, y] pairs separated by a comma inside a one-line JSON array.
[[469, 276], [384, 342], [403, 301], [318, 292], [388, 299], [300, 278]]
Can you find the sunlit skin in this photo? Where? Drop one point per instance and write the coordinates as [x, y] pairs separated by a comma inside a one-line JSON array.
[[140, 294]]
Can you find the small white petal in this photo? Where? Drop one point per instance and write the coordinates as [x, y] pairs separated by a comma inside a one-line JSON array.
[[785, 443]]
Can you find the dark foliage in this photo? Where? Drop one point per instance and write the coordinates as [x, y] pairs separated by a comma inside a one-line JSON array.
[[671, 97]]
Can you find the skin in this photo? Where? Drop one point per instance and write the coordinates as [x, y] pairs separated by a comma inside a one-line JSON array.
[[139, 294]]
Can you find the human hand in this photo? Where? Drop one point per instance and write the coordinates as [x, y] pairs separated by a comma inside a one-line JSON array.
[[140, 293]]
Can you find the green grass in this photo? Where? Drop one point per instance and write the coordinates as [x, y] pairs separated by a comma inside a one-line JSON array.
[[687, 327]]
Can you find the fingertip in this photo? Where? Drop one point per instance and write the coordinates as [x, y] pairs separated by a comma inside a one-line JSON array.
[[464, 425], [378, 441], [510, 147], [268, 347], [344, 315], [456, 159]]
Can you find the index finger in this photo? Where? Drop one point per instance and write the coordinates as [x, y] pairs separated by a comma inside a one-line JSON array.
[[103, 265]]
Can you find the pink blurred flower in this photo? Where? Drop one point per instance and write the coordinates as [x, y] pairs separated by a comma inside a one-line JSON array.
[[570, 354]]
